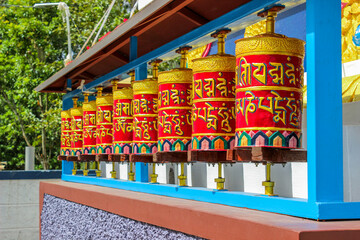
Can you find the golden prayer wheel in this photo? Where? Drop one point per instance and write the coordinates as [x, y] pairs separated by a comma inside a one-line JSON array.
[[65, 148], [104, 124], [122, 120], [214, 99], [89, 126], [76, 129], [174, 113], [269, 88]]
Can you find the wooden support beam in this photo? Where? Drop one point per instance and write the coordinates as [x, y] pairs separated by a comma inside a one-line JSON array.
[[193, 16], [87, 157], [209, 156], [268, 154], [121, 57], [87, 75], [99, 59], [144, 157], [102, 158], [172, 157], [118, 157]]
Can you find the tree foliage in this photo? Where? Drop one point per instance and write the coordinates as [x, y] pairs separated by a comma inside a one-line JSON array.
[[33, 45]]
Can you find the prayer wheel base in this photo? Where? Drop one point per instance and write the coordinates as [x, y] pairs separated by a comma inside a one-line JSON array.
[[87, 157], [102, 157], [61, 157], [118, 157], [72, 158], [171, 157], [268, 154], [145, 157], [209, 156]]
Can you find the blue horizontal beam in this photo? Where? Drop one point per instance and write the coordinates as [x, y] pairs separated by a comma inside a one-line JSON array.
[[36, 174], [234, 15], [289, 206]]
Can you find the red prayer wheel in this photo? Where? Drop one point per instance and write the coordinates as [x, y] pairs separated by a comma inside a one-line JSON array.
[[76, 129], [65, 147], [122, 120], [104, 125], [269, 89], [214, 99], [145, 111], [175, 108], [89, 126]]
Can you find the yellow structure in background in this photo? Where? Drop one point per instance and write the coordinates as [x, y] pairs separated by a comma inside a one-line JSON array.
[[195, 53], [255, 29], [349, 21]]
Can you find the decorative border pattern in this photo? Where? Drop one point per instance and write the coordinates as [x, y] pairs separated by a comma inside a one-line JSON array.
[[145, 147], [166, 145], [212, 142], [282, 139], [119, 148]]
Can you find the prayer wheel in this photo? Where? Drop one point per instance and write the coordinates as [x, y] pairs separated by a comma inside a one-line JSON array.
[[76, 129], [214, 99], [89, 126], [122, 121], [65, 147], [174, 114], [104, 125], [269, 69], [145, 111]]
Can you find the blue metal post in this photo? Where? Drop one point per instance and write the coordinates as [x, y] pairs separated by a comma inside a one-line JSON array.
[[324, 111], [133, 48], [141, 170], [67, 104]]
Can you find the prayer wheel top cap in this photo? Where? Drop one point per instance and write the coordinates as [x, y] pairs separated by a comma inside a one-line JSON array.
[[78, 111], [65, 114], [270, 42], [123, 93], [215, 63], [146, 86], [176, 75], [220, 62], [89, 106], [104, 100]]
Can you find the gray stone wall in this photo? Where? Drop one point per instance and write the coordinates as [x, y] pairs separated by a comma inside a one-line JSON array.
[[62, 219]]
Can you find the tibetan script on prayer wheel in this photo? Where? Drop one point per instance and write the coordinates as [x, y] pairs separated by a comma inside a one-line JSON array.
[[76, 129], [104, 125], [175, 108], [214, 101], [65, 147], [89, 127], [122, 121], [145, 116], [269, 81]]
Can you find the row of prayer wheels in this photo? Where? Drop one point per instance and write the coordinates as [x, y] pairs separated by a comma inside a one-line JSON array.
[[224, 102]]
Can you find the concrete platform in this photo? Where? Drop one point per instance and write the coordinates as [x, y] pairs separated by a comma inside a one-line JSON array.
[[212, 221]]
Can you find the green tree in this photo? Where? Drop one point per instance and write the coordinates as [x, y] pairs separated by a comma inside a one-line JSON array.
[[33, 45]]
